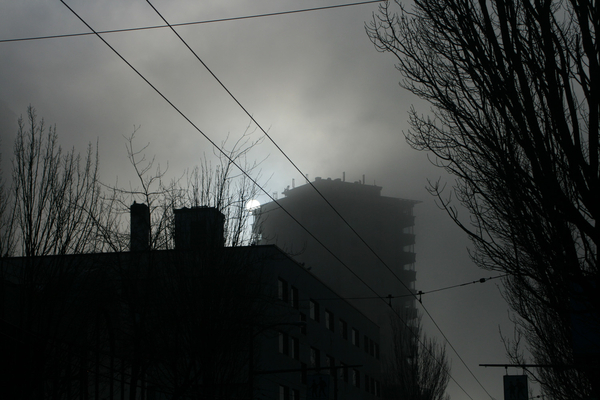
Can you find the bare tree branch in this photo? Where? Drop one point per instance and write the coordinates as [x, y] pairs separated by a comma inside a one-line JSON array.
[[515, 91]]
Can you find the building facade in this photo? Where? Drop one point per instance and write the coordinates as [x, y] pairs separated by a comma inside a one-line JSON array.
[[199, 321], [333, 246], [321, 345]]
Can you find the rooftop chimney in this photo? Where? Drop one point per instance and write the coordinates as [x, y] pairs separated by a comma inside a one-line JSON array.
[[199, 228], [139, 229]]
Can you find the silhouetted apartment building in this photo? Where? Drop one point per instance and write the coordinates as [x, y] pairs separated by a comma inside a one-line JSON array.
[[335, 347], [198, 321], [386, 263]]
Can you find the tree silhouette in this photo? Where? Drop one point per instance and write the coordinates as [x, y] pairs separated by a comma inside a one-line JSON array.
[[49, 209], [54, 194], [417, 367], [516, 102], [83, 317]]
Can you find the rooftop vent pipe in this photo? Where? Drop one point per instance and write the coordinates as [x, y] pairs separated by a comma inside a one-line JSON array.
[[199, 228], [139, 228]]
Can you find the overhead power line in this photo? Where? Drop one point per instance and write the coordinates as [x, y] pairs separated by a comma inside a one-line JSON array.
[[418, 293], [482, 280], [368, 246], [270, 196], [210, 21], [219, 149]]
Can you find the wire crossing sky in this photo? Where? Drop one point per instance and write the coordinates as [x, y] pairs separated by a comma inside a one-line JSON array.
[[312, 78], [271, 197], [191, 23]]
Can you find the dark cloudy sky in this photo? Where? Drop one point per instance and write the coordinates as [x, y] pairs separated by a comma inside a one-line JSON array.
[[312, 79]]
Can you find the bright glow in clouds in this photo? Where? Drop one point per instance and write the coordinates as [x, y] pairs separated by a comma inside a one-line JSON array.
[[252, 205]]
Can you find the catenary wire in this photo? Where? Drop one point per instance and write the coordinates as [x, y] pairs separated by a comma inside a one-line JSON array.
[[482, 280], [273, 199], [337, 258], [418, 293], [192, 23], [320, 194], [215, 145], [246, 174], [285, 155], [212, 142]]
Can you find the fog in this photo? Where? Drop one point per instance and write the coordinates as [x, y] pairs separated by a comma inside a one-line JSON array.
[[312, 80]]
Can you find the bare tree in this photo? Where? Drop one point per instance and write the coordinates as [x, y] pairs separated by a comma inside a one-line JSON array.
[[227, 189], [187, 316], [7, 220], [417, 368], [516, 100], [55, 193], [78, 325], [49, 209], [216, 184], [201, 330]]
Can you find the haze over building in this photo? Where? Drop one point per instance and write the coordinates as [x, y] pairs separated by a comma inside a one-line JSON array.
[[201, 320], [337, 254]]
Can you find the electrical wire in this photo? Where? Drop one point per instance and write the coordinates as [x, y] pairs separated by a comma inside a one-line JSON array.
[[192, 23], [482, 280], [233, 162], [319, 193], [264, 191], [418, 293]]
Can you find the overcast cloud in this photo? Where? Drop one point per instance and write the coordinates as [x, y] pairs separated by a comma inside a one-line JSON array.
[[312, 79]]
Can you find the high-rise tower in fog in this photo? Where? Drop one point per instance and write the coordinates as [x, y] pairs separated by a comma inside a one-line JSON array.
[[386, 263]]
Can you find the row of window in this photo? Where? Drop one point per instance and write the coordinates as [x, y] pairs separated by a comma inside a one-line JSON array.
[[286, 393], [371, 386], [289, 345], [289, 293], [369, 344]]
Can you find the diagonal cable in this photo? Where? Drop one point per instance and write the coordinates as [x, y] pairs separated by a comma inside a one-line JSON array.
[[142, 28], [317, 191], [264, 191]]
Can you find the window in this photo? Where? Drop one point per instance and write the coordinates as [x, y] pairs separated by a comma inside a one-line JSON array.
[[356, 378], [295, 348], [294, 297], [284, 345], [344, 329], [376, 348], [330, 364], [294, 394], [377, 389], [355, 337], [303, 373], [343, 372], [315, 358], [303, 326], [369, 346], [329, 320], [367, 381], [314, 310], [284, 392], [282, 289]]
